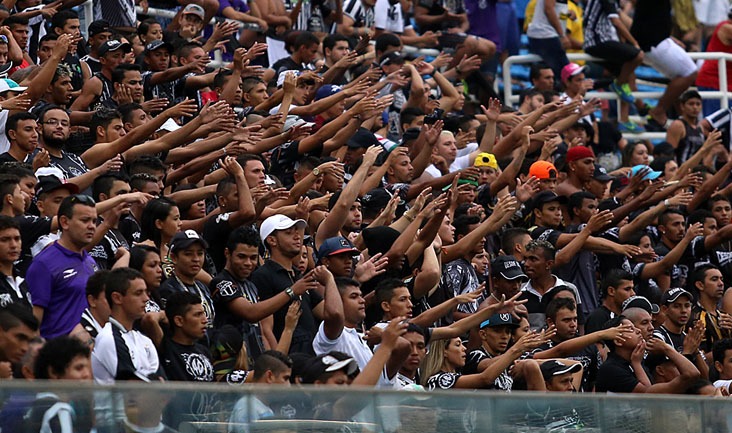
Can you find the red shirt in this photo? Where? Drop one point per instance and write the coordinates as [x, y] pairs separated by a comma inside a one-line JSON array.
[[709, 73]]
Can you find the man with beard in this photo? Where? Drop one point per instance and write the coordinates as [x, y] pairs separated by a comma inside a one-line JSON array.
[[113, 246], [55, 123], [283, 238]]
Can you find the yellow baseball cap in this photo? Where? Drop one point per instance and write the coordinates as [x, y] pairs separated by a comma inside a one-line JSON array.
[[485, 159]]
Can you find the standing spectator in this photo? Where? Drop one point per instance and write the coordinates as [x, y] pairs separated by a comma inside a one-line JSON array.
[[708, 79], [17, 329], [13, 288], [547, 33], [623, 371], [615, 288], [120, 351], [603, 32], [282, 238], [63, 358], [652, 25], [187, 251], [183, 357], [685, 134], [57, 276]]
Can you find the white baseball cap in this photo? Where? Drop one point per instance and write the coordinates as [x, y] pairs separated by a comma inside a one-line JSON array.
[[278, 222]]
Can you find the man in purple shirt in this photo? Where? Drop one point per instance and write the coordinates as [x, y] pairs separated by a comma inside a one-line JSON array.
[[58, 275]]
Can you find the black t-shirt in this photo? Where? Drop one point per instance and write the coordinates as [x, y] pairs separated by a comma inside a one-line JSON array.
[[616, 375], [31, 229], [271, 279], [597, 319], [675, 340], [652, 22], [103, 252], [173, 285], [7, 157], [130, 229], [442, 380], [286, 64], [504, 381], [14, 290], [216, 231], [225, 289], [185, 363], [692, 253], [284, 161]]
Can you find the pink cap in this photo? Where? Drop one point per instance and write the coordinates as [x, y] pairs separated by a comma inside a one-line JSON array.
[[570, 70]]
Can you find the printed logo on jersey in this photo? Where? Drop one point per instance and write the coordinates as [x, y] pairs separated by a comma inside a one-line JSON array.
[[226, 288], [199, 367]]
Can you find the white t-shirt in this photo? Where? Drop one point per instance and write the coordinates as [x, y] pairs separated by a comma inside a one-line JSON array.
[[460, 163], [388, 17], [351, 343], [540, 27], [722, 384]]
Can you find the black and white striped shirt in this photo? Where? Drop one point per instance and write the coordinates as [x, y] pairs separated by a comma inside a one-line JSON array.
[[597, 24], [361, 14]]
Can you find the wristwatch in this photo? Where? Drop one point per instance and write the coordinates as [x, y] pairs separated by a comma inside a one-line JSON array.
[[316, 172], [290, 293]]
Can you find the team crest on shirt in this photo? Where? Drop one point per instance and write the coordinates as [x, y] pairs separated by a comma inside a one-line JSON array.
[[446, 381], [5, 300], [199, 367], [226, 288]]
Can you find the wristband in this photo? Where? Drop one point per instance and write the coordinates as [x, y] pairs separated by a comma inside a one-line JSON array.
[[667, 203]]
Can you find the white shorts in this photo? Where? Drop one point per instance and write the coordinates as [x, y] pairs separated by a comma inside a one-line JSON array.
[[670, 60]]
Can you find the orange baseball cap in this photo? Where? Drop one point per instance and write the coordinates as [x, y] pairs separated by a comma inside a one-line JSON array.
[[543, 170]]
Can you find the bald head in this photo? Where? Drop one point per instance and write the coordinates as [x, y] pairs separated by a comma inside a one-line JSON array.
[[641, 319]]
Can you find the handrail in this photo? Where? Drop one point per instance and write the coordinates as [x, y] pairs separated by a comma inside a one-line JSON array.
[[721, 94]]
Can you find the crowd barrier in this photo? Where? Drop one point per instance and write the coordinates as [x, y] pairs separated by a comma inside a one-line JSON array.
[[206, 408]]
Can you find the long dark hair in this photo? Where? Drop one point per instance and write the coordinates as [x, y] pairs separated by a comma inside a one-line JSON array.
[[156, 209]]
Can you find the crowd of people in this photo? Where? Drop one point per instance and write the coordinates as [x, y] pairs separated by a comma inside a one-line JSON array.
[[325, 209]]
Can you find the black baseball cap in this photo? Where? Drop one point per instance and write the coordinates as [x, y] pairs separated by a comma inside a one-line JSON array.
[[508, 268], [601, 175], [377, 198], [552, 368], [50, 183], [99, 26], [672, 295], [185, 239], [114, 45], [640, 302], [544, 197], [502, 319], [328, 363], [157, 44], [362, 138]]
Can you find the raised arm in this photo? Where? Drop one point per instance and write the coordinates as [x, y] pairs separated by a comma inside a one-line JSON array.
[[101, 152], [333, 223]]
